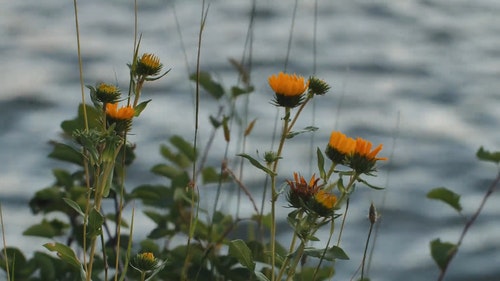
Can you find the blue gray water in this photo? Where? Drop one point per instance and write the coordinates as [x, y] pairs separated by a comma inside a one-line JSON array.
[[426, 71]]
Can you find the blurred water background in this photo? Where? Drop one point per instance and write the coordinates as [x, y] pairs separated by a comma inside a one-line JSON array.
[[426, 71]]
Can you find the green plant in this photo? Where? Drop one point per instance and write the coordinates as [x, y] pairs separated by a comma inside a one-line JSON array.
[[444, 252]]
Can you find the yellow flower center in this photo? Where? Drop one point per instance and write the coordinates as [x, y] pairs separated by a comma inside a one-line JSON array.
[[287, 84], [107, 88], [147, 256], [150, 61]]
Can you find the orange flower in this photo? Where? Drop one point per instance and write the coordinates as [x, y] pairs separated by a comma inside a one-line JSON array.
[[123, 113], [363, 148], [326, 199], [340, 147], [364, 158], [288, 88], [301, 191]]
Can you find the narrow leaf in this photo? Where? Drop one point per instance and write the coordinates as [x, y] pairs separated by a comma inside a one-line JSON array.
[[260, 276], [447, 196], [257, 164], [370, 185], [321, 163], [140, 107], [330, 255], [183, 146], [249, 128], [305, 130], [207, 83], [239, 250], [74, 206]]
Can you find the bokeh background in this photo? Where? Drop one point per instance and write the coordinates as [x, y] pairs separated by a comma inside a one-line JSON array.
[[420, 76]]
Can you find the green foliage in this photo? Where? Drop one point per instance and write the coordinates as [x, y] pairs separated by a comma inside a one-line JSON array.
[[65, 253], [205, 80], [239, 250], [47, 229], [308, 129], [66, 153], [442, 252], [485, 155], [257, 164], [330, 254], [447, 196]]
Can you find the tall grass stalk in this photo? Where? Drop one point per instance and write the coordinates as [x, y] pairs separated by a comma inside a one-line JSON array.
[[4, 241], [194, 203]]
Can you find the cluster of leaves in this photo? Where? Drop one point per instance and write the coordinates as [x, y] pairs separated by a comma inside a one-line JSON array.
[[443, 252]]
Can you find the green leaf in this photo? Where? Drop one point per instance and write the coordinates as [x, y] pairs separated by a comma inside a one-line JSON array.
[[153, 195], [447, 196], [370, 185], [70, 126], [330, 255], [74, 206], [183, 146], [65, 253], [181, 160], [47, 229], [239, 250], [305, 130], [47, 268], [156, 217], [206, 82], [140, 107], [95, 221], [257, 164], [166, 171], [210, 175], [260, 276], [237, 91], [442, 252], [321, 163], [66, 153], [63, 178], [485, 155]]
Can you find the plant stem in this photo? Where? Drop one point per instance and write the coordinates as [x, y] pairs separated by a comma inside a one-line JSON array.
[[365, 251], [298, 256], [4, 244], [274, 193], [469, 223], [292, 246]]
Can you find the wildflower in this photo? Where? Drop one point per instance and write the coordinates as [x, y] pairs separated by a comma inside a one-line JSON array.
[[289, 89], [106, 93], [324, 203], [148, 65], [144, 262], [300, 191], [318, 86], [123, 113], [340, 147], [363, 159], [122, 117]]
